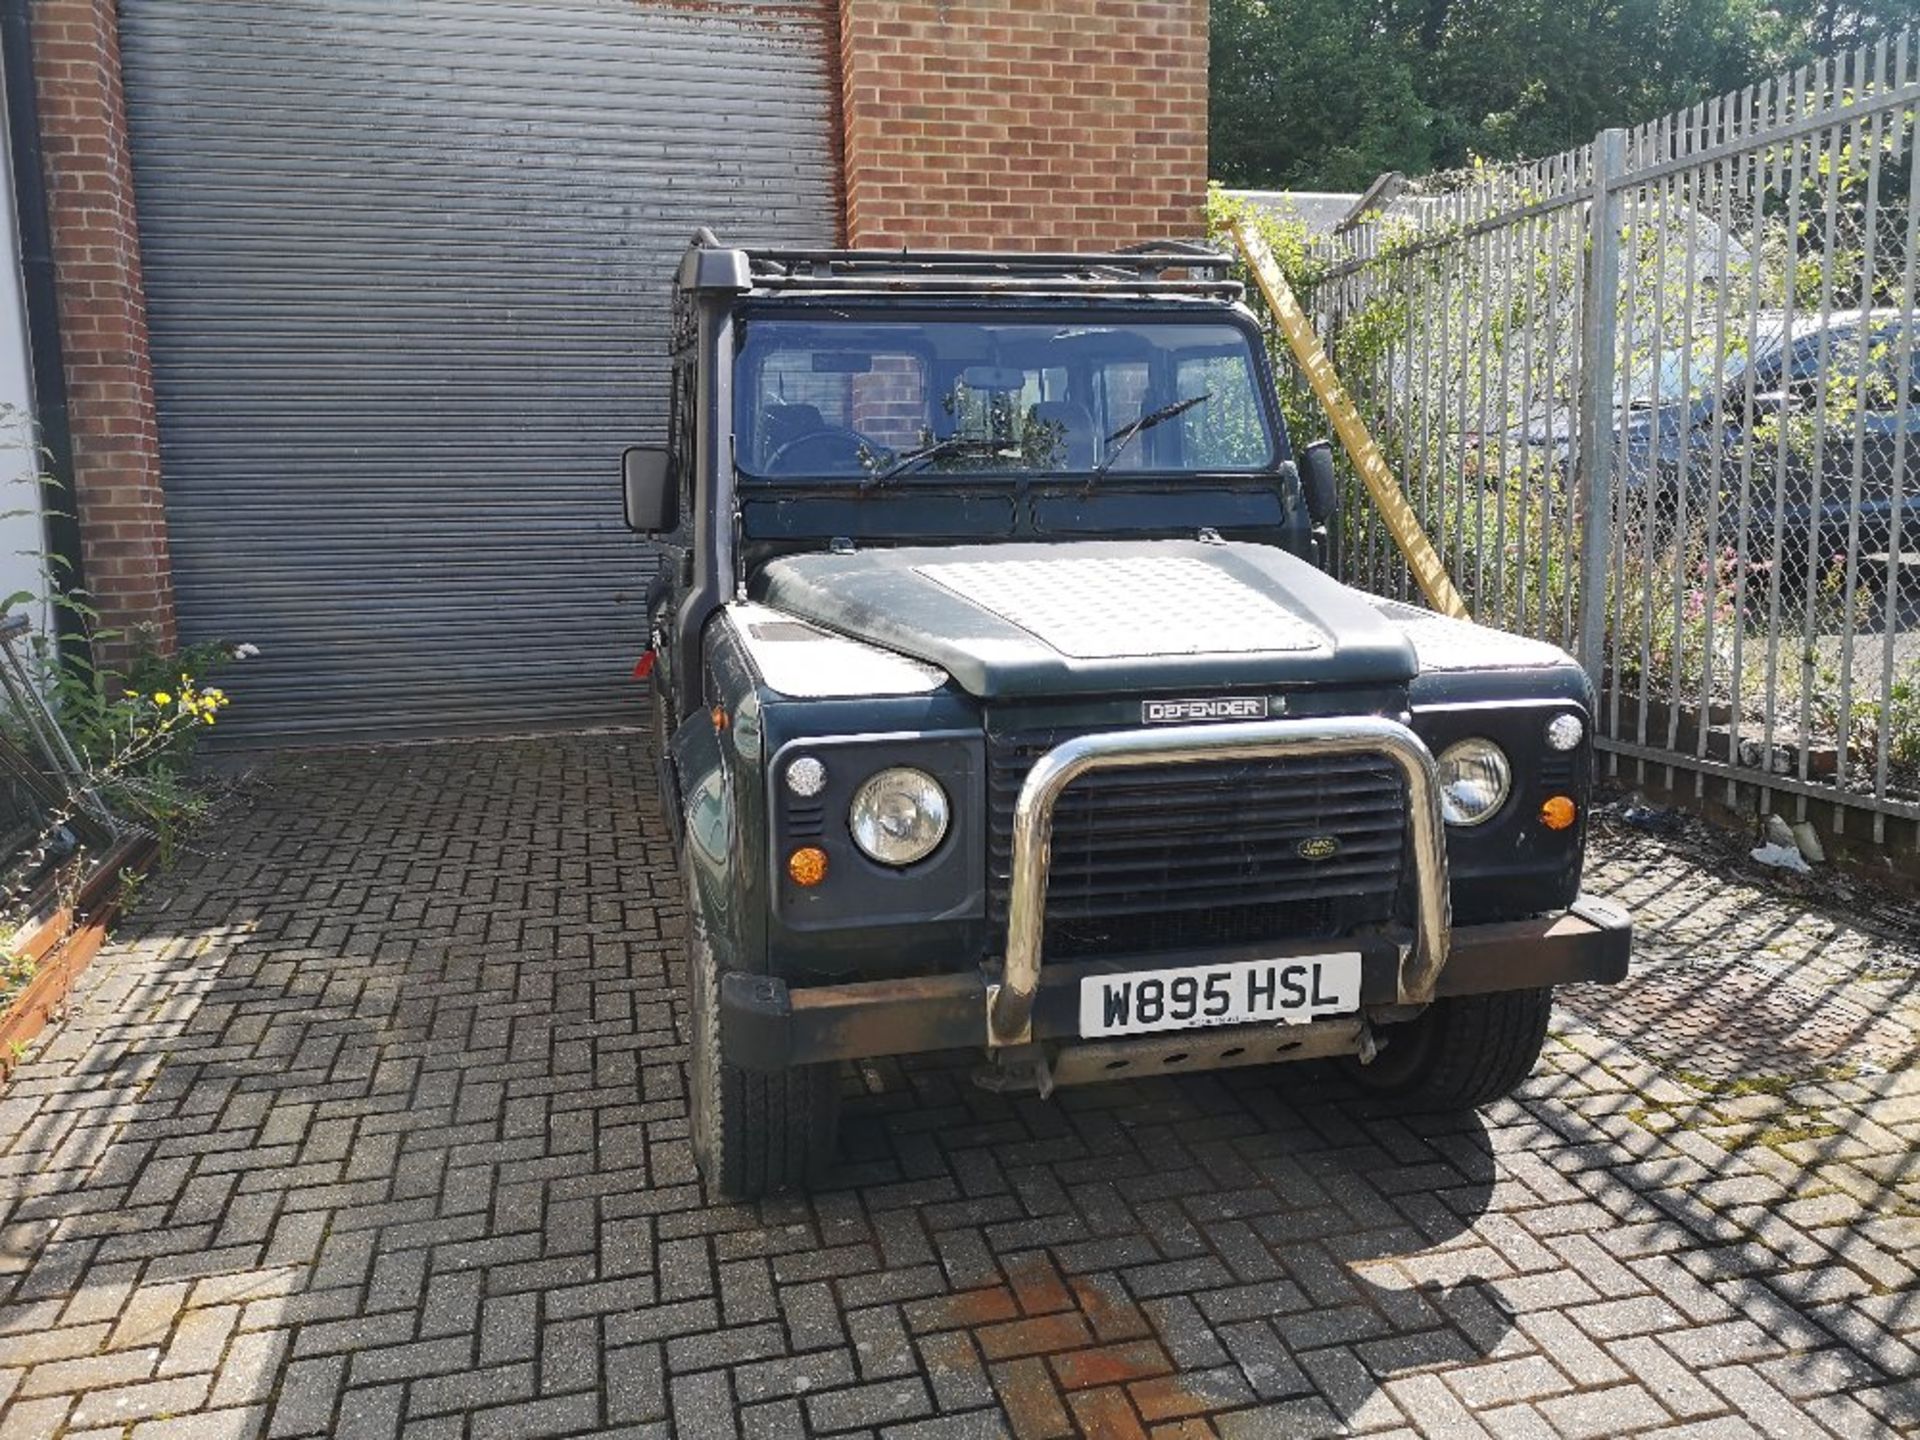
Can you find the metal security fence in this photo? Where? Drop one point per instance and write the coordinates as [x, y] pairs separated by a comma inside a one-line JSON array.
[[1655, 399]]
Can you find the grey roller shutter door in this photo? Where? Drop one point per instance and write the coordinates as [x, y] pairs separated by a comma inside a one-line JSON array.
[[407, 268]]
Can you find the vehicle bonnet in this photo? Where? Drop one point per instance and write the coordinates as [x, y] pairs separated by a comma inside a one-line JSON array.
[[1027, 620]]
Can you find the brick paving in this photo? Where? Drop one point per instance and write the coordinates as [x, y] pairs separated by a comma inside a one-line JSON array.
[[372, 1122]]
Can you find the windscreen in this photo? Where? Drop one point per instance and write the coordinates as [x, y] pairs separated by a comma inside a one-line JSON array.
[[845, 398]]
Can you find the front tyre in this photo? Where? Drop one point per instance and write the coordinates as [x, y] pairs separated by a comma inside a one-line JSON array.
[[754, 1132], [1460, 1053]]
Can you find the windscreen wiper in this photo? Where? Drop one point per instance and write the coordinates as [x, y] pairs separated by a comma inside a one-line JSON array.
[[1118, 441], [914, 459]]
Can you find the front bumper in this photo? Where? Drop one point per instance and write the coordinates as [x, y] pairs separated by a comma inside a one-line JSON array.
[[765, 1025], [1010, 1002]]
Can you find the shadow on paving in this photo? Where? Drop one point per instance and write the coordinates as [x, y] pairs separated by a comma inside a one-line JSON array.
[[372, 1121]]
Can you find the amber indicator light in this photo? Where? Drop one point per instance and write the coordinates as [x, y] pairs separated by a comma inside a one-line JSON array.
[[1558, 813], [719, 717], [807, 866]]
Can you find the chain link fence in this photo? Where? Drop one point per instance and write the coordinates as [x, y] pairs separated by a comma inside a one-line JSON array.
[[1654, 398]]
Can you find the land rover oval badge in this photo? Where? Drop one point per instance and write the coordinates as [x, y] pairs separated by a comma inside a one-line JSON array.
[[1318, 847]]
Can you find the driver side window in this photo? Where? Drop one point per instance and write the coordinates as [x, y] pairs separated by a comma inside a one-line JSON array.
[[796, 400], [803, 393]]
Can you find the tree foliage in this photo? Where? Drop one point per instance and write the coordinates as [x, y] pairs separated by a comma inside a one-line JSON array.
[[1327, 94]]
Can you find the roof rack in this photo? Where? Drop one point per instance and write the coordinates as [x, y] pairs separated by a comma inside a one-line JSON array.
[[1137, 270]]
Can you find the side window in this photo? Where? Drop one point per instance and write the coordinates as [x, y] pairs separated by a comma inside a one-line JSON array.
[[794, 390], [1832, 365], [1047, 383], [1889, 363], [797, 392], [1851, 377], [888, 404]]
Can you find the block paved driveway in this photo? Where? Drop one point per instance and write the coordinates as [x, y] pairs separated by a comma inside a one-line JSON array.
[[373, 1122]]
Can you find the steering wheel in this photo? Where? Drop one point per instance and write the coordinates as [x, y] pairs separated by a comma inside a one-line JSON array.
[[835, 450]]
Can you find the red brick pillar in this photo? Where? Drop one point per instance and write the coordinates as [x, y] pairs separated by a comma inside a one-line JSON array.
[[103, 324], [1074, 123]]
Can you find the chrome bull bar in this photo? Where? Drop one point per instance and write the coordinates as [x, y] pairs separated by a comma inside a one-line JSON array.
[[1010, 1003]]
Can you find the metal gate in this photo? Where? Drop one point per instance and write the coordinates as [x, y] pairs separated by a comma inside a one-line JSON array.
[[407, 270], [1657, 399]]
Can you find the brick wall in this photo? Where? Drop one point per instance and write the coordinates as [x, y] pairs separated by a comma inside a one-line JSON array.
[[103, 321], [1073, 123]]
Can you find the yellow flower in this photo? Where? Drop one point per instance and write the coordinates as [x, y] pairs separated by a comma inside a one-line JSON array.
[[161, 697]]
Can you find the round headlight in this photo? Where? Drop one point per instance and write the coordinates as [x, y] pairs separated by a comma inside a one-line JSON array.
[[898, 816], [1474, 780]]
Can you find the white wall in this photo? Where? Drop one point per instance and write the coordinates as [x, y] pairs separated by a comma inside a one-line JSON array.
[[22, 531]]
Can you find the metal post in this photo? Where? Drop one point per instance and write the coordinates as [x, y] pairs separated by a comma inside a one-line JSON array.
[[1599, 340]]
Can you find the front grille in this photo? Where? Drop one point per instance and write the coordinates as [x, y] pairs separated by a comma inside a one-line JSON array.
[[1185, 856]]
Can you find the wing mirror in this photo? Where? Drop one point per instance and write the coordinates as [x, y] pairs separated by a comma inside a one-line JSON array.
[[1317, 480], [653, 502]]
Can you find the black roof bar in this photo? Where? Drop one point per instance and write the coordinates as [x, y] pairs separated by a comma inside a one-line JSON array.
[[1136, 270], [950, 283], [1145, 262]]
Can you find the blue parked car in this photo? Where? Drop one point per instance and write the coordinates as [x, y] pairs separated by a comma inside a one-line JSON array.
[[1805, 434], [1666, 435]]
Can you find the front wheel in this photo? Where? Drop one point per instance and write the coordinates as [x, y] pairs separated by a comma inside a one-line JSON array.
[[1460, 1053], [754, 1132]]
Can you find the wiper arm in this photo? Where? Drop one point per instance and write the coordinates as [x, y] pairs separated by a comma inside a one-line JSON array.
[[914, 459], [1118, 441]]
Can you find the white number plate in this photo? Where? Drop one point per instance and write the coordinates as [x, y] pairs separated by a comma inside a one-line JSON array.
[[1283, 992]]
